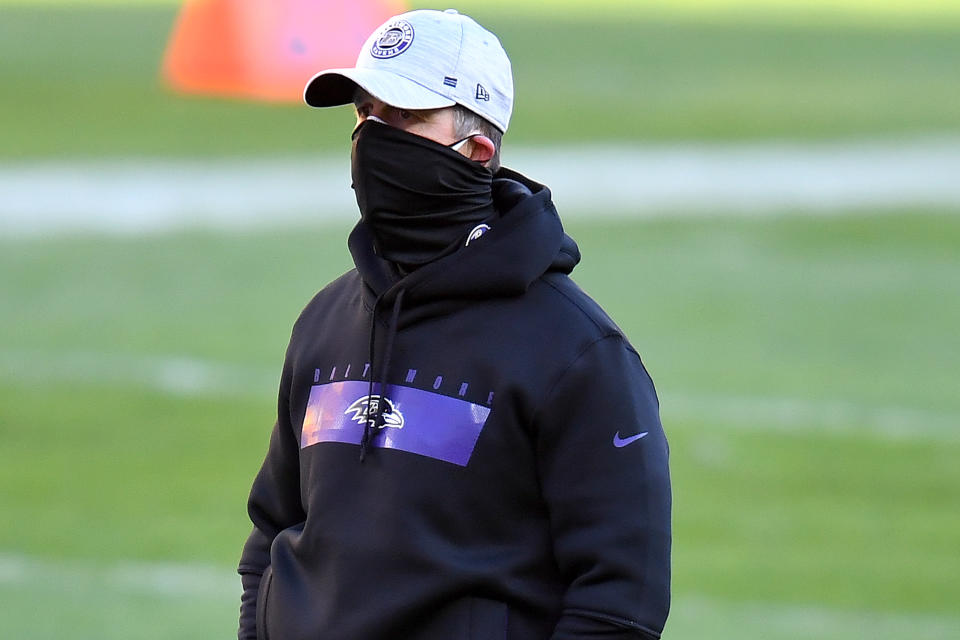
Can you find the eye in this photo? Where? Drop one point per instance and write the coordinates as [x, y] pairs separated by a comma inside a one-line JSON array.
[[405, 115]]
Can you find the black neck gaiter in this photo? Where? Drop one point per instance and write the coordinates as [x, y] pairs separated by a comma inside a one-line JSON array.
[[420, 198]]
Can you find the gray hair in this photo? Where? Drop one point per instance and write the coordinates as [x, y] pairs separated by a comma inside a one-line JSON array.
[[466, 122]]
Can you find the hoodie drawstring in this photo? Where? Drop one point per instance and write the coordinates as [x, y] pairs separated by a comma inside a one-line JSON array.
[[374, 422]]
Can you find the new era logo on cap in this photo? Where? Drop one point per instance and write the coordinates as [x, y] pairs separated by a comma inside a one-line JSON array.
[[426, 59]]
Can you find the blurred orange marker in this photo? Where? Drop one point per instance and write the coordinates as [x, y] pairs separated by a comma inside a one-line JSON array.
[[266, 49]]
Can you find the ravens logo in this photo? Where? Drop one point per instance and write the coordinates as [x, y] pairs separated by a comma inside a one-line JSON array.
[[365, 408]]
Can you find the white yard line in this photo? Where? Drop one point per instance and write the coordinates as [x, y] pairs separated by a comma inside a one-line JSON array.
[[120, 580], [795, 415], [140, 195], [692, 615], [799, 415], [126, 577], [175, 375]]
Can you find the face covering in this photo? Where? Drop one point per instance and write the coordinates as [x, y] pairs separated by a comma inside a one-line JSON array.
[[420, 198]]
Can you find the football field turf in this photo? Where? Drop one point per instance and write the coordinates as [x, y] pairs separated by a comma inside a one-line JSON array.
[[84, 81], [807, 380], [806, 364]]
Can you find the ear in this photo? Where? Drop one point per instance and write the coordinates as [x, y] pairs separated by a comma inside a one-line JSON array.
[[482, 149]]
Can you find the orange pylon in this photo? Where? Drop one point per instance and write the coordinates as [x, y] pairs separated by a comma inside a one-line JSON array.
[[266, 49]]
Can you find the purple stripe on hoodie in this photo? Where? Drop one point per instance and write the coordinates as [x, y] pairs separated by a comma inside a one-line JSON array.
[[415, 421]]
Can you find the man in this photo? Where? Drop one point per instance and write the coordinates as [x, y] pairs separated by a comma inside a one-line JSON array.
[[467, 447]]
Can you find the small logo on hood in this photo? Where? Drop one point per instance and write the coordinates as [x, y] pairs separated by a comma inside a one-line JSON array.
[[394, 41], [365, 408], [476, 232]]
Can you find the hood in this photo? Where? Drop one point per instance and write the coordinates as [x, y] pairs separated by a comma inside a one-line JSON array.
[[525, 242]]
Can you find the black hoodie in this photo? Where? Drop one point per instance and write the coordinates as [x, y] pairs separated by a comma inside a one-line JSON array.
[[515, 486]]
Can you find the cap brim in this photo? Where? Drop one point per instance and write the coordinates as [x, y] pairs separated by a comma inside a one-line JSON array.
[[335, 87]]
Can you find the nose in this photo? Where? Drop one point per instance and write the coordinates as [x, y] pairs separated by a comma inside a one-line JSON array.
[[378, 110], [366, 118], [371, 109]]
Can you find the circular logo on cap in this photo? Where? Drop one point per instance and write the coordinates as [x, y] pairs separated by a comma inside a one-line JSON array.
[[394, 41]]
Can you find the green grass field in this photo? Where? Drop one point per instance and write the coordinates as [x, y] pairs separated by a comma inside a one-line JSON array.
[[806, 368], [83, 80], [806, 363]]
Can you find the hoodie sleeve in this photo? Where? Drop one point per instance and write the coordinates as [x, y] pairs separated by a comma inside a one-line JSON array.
[[603, 462], [274, 505]]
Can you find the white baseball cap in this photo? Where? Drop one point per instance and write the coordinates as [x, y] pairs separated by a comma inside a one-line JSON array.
[[425, 59]]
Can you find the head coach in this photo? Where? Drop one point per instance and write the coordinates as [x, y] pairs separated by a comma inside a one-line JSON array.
[[466, 447]]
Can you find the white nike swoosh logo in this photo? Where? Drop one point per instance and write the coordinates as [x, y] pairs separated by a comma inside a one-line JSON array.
[[622, 442]]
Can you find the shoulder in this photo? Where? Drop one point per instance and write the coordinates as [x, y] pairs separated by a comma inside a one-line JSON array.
[[338, 295], [576, 308]]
